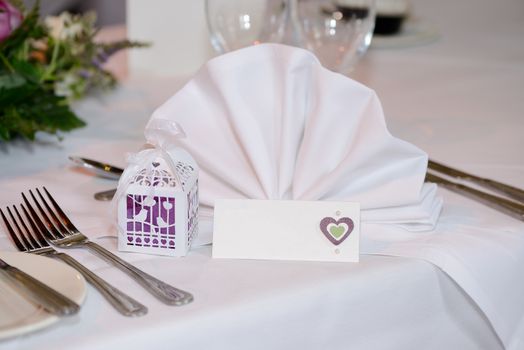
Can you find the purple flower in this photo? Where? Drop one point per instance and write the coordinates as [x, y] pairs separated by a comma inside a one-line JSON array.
[[10, 19]]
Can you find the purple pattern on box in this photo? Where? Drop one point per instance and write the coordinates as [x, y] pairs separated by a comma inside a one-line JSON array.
[[150, 221], [192, 213], [155, 177]]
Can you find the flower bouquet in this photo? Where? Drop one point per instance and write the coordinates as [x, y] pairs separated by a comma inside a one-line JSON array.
[[45, 65]]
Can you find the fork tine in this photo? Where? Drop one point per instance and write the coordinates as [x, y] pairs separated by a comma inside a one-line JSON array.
[[12, 233], [60, 212], [40, 228], [58, 230], [47, 227], [35, 232], [27, 239]]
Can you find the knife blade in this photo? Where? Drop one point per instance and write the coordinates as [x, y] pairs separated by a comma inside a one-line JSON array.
[[105, 195], [101, 169], [504, 189], [38, 292]]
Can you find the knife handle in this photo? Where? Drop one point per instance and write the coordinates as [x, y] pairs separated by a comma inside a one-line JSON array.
[[39, 293], [496, 186], [101, 169], [503, 205], [507, 190]]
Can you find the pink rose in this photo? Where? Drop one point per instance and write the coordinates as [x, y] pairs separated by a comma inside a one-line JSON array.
[[10, 19]]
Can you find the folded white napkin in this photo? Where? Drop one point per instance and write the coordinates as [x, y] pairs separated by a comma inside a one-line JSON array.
[[269, 122]]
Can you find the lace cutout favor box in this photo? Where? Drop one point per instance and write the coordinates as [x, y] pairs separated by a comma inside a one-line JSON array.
[[158, 211]]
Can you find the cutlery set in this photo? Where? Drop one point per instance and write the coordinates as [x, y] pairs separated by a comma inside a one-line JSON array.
[[511, 204], [46, 225]]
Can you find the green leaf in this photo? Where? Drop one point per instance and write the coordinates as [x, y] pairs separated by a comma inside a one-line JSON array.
[[29, 71], [11, 81], [41, 110], [14, 89]]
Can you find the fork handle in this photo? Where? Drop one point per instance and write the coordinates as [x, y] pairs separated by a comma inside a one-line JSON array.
[[124, 304], [163, 291]]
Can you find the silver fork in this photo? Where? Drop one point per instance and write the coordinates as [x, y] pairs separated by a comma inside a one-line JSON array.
[[33, 241], [73, 238]]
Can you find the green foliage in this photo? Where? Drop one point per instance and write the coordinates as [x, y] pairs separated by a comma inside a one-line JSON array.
[[26, 107], [46, 65], [29, 28]]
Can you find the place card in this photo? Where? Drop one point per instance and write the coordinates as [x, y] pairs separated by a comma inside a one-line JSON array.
[[286, 230]]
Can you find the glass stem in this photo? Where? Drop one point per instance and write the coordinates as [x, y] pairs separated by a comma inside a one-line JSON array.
[[294, 35]]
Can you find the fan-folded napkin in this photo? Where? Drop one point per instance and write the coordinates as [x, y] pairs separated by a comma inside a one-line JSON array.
[[269, 122]]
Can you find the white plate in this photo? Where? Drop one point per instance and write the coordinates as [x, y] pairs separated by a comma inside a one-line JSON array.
[[17, 315]]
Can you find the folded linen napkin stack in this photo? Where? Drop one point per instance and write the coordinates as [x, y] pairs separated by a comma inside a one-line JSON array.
[[269, 122]]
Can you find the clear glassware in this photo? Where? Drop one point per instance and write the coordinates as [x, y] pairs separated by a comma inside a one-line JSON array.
[[234, 24], [337, 31]]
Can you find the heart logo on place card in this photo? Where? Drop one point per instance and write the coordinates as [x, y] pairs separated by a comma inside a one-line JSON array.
[[336, 231], [155, 164]]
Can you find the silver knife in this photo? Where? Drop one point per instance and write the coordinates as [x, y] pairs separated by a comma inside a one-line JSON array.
[[105, 195], [101, 169], [503, 205], [38, 292], [507, 190]]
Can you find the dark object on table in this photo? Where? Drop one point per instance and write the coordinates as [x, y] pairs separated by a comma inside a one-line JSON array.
[[388, 24], [390, 14], [352, 11]]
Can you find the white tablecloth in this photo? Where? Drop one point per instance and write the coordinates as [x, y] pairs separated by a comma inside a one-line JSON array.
[[460, 99]]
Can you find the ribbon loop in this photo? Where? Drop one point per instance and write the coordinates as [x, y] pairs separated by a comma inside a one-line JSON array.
[[160, 132]]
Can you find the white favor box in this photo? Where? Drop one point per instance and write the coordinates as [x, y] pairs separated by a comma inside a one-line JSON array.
[[158, 213]]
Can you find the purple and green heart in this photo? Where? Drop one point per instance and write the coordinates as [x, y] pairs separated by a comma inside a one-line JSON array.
[[336, 231]]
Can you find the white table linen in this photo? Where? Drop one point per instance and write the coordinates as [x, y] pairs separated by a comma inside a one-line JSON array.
[[459, 99], [234, 298]]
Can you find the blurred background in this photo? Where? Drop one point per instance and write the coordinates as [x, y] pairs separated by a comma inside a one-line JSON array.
[[109, 12], [155, 22]]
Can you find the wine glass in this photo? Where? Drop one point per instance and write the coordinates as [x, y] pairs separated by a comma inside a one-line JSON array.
[[234, 24], [337, 31]]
